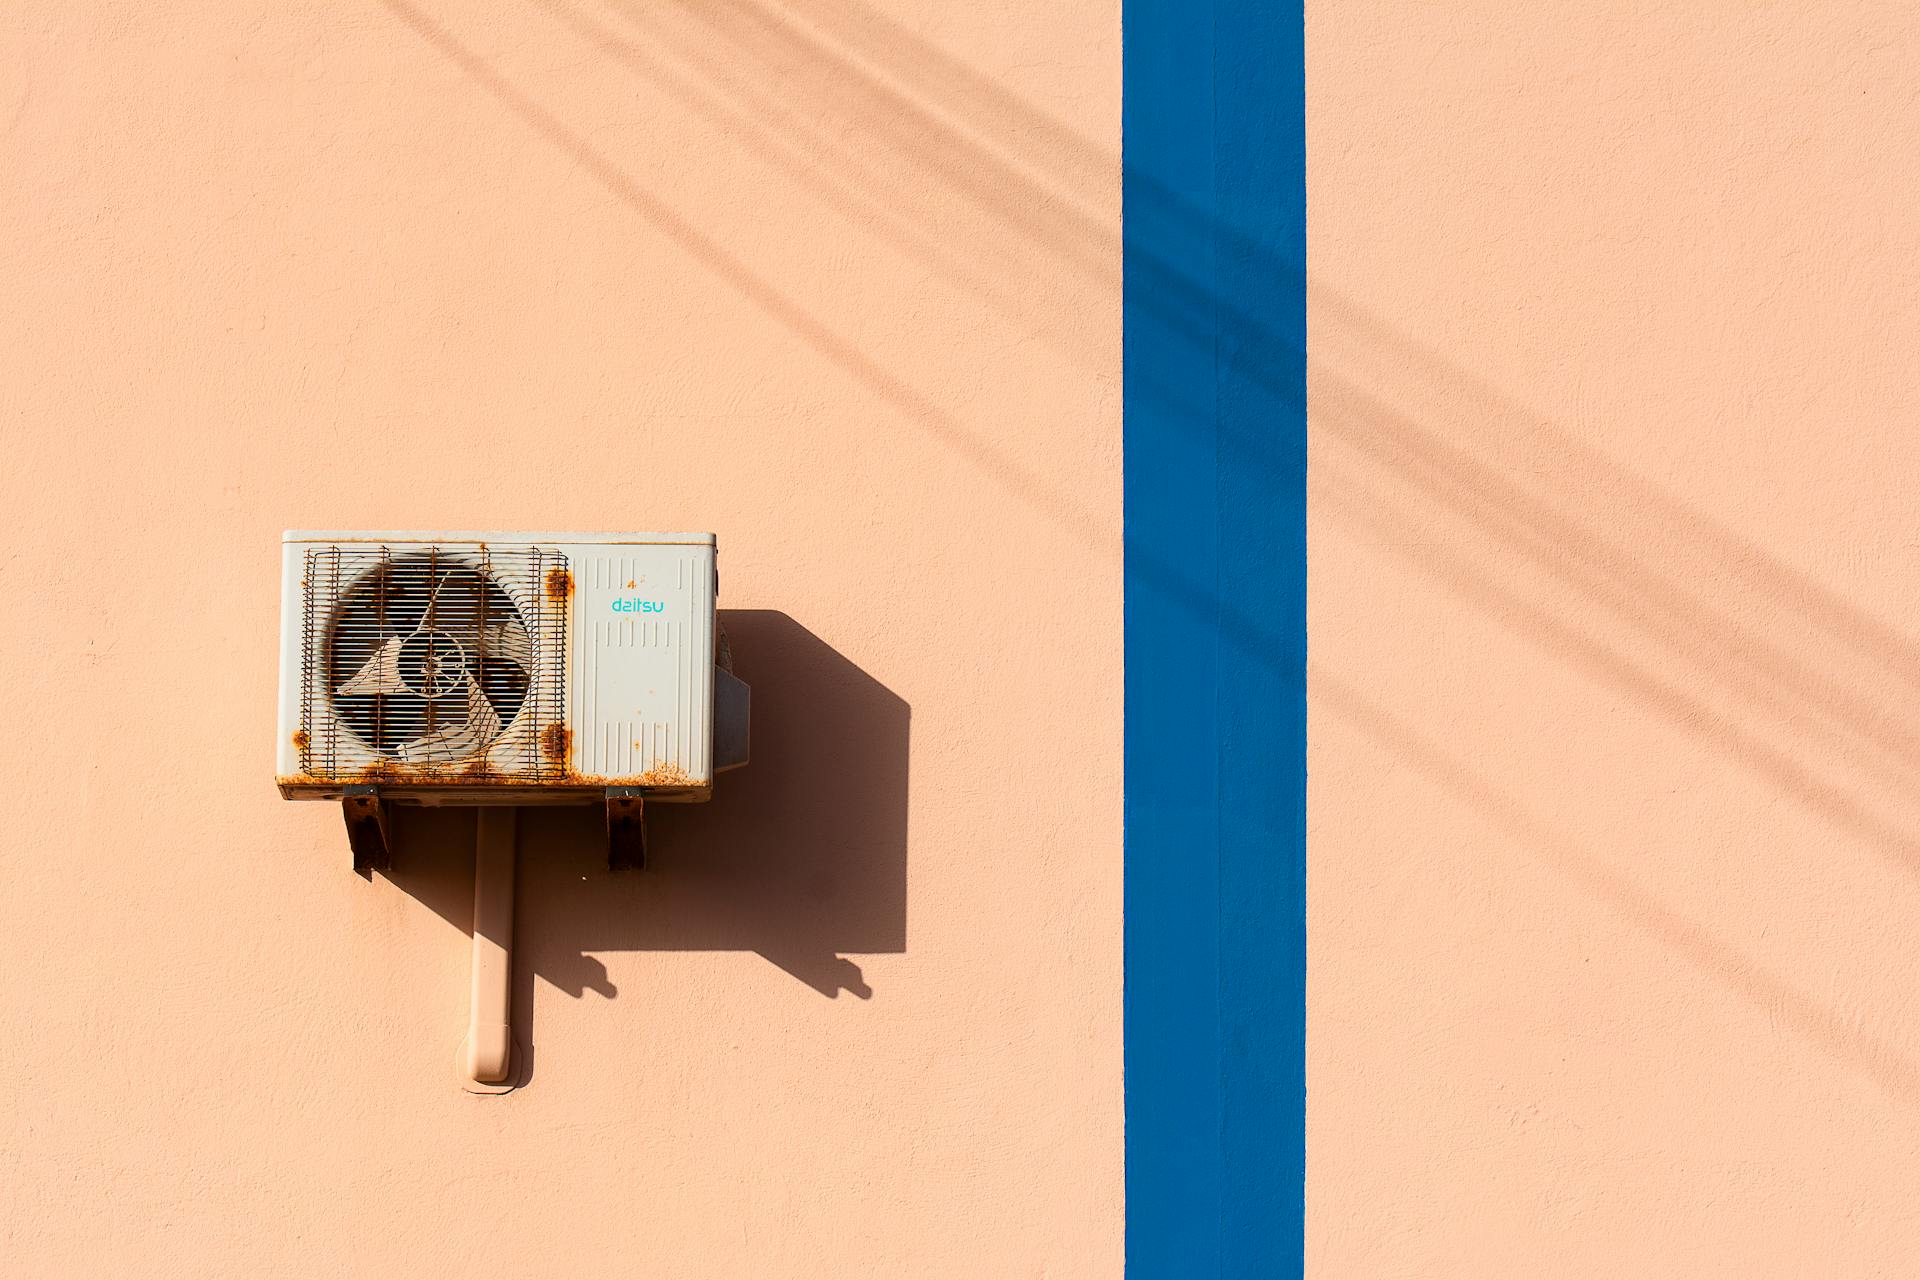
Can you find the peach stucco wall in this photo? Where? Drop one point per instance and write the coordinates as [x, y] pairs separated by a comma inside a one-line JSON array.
[[1613, 837], [1614, 843], [836, 281]]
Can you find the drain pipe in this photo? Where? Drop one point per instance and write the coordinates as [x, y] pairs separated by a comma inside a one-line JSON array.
[[486, 1055]]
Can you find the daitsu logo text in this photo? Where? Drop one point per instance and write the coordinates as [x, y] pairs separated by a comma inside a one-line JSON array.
[[633, 604]]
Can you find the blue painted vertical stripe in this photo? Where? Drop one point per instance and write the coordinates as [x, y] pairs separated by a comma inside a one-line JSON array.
[[1215, 351]]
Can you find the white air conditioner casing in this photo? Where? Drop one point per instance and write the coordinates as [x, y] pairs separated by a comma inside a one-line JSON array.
[[514, 668]]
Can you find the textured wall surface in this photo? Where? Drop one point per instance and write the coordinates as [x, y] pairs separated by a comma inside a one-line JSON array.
[[838, 282], [1614, 841]]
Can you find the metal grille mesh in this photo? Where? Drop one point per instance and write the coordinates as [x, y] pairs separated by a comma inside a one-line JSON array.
[[429, 662]]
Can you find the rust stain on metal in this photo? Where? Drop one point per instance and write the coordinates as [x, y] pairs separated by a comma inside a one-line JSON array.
[[475, 773], [559, 584], [300, 739], [556, 741], [667, 778], [664, 775], [479, 773], [375, 774]]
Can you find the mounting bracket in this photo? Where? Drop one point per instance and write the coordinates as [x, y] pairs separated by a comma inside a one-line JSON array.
[[626, 829], [366, 815]]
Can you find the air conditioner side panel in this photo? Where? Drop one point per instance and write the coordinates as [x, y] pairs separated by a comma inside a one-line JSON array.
[[641, 675]]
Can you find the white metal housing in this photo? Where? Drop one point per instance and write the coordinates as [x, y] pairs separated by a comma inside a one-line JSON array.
[[467, 667]]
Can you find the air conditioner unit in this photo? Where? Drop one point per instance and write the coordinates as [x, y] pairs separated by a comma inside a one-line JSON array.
[[498, 670], [503, 669]]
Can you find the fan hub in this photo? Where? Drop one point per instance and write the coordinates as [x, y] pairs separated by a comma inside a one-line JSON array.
[[433, 664]]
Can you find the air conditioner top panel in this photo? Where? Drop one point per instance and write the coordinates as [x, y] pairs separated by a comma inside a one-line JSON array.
[[496, 535]]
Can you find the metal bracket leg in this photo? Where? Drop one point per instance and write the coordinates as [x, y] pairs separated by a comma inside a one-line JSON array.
[[626, 829], [366, 815]]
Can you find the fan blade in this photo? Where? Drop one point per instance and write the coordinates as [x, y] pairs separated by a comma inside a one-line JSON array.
[[436, 585], [380, 674], [509, 640], [456, 742]]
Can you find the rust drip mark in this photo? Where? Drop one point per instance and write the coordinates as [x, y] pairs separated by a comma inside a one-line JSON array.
[[555, 742], [300, 739], [559, 584]]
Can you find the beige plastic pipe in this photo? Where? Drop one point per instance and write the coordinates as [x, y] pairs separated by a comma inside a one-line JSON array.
[[486, 1055]]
